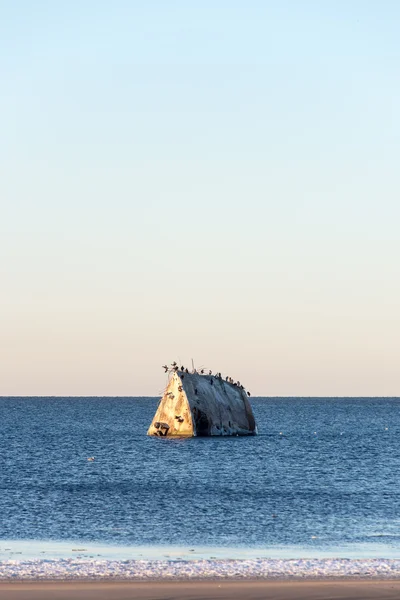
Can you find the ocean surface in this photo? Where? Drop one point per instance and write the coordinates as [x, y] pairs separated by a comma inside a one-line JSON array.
[[320, 481]]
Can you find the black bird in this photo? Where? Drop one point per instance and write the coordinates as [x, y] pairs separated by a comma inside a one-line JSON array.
[[174, 363], [202, 371], [226, 378], [186, 371], [210, 372], [182, 368], [248, 393], [165, 367]]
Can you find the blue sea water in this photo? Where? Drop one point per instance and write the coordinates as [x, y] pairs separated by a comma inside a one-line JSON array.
[[322, 474]]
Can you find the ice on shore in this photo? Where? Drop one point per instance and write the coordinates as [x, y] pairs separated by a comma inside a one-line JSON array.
[[78, 569]]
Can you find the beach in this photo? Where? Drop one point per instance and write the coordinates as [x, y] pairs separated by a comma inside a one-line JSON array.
[[197, 590]]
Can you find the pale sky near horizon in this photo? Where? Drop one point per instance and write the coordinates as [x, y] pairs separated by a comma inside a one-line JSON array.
[[214, 179]]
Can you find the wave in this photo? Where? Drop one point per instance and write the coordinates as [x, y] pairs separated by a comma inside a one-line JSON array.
[[80, 569]]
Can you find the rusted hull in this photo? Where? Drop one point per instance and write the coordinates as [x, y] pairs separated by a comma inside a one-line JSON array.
[[202, 405]]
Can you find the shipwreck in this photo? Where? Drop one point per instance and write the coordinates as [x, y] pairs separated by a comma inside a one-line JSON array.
[[196, 404]]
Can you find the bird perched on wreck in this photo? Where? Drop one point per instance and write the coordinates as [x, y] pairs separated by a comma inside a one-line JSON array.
[[202, 371], [174, 364], [248, 393], [210, 372], [165, 368]]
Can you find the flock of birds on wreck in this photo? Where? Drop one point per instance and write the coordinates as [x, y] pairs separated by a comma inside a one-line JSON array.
[[174, 368]]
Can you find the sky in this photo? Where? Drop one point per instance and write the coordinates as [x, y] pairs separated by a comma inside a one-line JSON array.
[[216, 180]]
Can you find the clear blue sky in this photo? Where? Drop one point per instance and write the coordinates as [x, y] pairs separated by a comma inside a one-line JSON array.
[[216, 180]]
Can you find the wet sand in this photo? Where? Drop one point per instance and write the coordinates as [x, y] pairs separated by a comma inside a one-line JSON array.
[[202, 590]]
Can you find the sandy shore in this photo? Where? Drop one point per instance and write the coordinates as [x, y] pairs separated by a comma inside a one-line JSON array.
[[224, 590]]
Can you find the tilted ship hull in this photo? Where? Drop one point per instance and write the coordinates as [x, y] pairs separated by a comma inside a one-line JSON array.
[[202, 405]]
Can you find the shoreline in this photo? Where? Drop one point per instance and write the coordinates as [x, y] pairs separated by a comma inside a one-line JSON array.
[[353, 579], [97, 569]]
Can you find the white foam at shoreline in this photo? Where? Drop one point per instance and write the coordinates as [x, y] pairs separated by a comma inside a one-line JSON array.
[[24, 550], [63, 569]]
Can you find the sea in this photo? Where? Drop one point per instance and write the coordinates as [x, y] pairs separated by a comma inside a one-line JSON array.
[[315, 493]]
